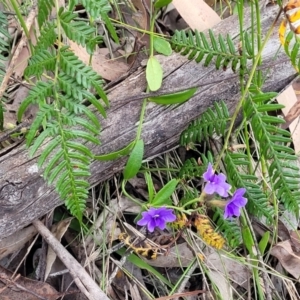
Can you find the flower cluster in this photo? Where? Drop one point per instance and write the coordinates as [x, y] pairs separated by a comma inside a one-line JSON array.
[[217, 184]]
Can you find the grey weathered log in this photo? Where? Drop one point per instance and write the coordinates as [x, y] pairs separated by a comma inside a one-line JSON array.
[[24, 195]]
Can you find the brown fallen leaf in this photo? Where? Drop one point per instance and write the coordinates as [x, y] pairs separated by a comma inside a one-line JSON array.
[[16, 241], [23, 288], [58, 231], [109, 69], [291, 112], [197, 14], [288, 258]]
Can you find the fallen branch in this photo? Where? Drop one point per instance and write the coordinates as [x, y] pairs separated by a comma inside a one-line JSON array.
[[25, 196]]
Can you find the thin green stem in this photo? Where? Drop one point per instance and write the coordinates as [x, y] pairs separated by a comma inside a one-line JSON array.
[[15, 6], [245, 93], [128, 196]]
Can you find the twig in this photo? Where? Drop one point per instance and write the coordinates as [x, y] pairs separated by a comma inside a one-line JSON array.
[[82, 279]]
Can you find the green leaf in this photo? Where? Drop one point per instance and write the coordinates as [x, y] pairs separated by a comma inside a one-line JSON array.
[[162, 46], [150, 186], [248, 240], [143, 265], [162, 197], [174, 98], [135, 160], [117, 154], [154, 74], [161, 3], [263, 243], [264, 97]]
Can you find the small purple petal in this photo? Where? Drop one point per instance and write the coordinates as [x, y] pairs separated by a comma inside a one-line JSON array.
[[161, 224], [143, 222], [233, 206], [208, 175], [222, 189], [209, 188], [156, 217], [151, 225], [215, 183]]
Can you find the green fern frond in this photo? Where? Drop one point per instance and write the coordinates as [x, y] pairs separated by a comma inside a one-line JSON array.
[[70, 86], [96, 8], [47, 37], [65, 126], [41, 90], [84, 75], [42, 61], [77, 31], [272, 140], [75, 68], [212, 121], [230, 230], [197, 46], [44, 10], [237, 166]]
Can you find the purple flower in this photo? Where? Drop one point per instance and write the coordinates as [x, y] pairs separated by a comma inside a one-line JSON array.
[[215, 183], [156, 217], [233, 206]]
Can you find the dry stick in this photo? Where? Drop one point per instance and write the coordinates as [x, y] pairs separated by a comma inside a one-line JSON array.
[[83, 280], [22, 43]]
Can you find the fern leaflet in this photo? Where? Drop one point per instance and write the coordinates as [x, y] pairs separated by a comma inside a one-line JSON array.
[[197, 47], [212, 121], [281, 159]]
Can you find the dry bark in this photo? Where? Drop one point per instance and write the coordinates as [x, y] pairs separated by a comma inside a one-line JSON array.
[[24, 195]]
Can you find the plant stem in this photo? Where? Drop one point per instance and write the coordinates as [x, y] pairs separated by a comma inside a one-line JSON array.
[[245, 92]]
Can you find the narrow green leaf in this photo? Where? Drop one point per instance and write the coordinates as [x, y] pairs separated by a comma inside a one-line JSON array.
[[56, 171], [154, 74], [85, 135], [248, 45], [294, 54], [53, 161], [264, 97], [269, 107], [208, 59], [49, 149], [79, 147], [248, 240], [174, 98], [218, 61], [165, 193], [263, 243], [117, 154], [39, 140], [150, 186], [230, 45], [222, 44], [287, 41], [214, 42], [143, 265], [110, 28], [135, 160], [162, 46], [161, 3]]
